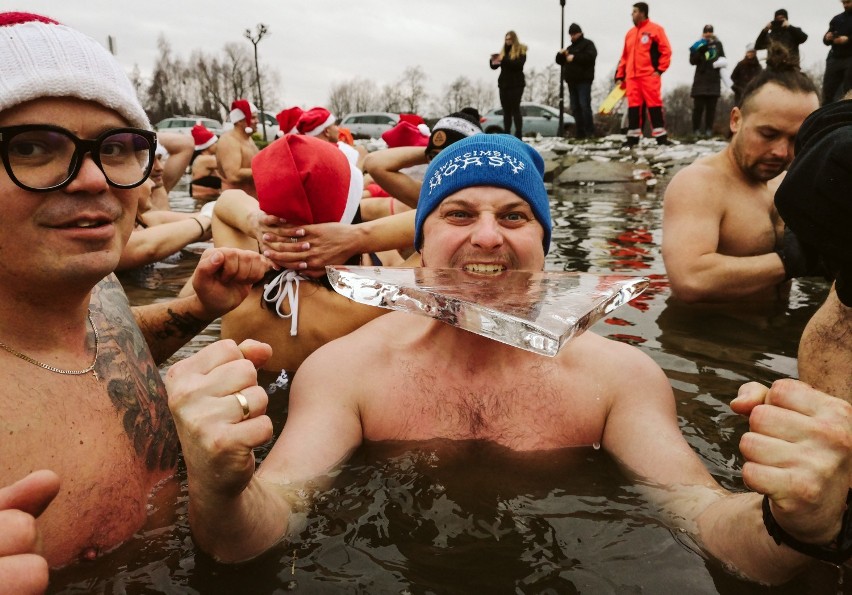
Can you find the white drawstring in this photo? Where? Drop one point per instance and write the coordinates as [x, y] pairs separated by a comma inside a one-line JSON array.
[[283, 286]]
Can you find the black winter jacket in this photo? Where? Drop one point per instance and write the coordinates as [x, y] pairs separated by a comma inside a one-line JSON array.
[[511, 71], [791, 37], [582, 68], [707, 80]]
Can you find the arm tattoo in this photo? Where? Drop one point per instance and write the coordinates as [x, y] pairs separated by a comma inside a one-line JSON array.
[[134, 383]]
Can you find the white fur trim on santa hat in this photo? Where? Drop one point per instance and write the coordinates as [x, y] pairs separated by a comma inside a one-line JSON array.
[[356, 182], [51, 60], [424, 130], [318, 130]]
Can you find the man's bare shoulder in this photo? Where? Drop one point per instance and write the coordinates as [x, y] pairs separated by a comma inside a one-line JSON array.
[[700, 178], [609, 359]]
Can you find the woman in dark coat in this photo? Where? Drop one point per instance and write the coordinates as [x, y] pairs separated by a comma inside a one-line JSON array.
[[706, 86], [511, 81]]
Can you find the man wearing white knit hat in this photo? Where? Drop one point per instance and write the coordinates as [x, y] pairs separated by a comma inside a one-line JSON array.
[[82, 396], [236, 149]]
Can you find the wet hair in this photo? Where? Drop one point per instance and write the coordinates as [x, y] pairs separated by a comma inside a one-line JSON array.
[[782, 69], [643, 7]]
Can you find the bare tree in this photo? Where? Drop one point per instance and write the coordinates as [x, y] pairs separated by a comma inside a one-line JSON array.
[[462, 92], [412, 88], [355, 95], [391, 99]]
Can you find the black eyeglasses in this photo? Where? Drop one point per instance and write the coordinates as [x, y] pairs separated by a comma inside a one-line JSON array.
[[41, 157]]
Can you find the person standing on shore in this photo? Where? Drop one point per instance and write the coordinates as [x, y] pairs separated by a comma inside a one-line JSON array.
[[511, 81], [838, 64], [779, 30], [578, 70], [745, 70], [646, 56], [706, 85]]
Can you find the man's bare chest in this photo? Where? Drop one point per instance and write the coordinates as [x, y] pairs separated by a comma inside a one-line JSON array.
[[531, 411]]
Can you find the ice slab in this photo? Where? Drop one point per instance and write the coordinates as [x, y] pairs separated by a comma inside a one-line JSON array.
[[536, 311]]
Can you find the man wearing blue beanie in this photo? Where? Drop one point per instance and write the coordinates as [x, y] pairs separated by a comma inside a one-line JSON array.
[[407, 378], [498, 160]]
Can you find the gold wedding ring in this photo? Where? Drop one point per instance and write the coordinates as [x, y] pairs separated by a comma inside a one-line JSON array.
[[293, 240], [241, 399]]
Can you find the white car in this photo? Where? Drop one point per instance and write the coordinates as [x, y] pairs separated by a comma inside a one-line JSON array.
[[184, 124], [369, 124], [271, 126], [538, 119]]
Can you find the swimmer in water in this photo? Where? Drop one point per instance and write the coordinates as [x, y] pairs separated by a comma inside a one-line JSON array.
[[82, 396], [484, 209]]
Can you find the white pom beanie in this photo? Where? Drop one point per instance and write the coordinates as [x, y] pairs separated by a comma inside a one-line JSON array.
[[41, 58]]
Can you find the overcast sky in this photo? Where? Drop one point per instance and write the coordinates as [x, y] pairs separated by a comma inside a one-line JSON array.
[[316, 43]]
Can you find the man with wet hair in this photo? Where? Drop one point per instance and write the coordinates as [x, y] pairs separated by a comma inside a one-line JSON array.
[[483, 209], [82, 396], [722, 237]]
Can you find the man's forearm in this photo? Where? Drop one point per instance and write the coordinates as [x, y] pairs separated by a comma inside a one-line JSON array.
[[732, 530], [168, 326], [237, 529], [387, 233]]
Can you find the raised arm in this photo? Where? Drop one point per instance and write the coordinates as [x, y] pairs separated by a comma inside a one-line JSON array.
[[334, 243], [237, 514], [385, 168], [180, 148], [154, 243], [797, 452], [222, 279], [692, 217]]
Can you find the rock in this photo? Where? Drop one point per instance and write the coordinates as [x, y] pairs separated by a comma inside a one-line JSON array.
[[596, 171]]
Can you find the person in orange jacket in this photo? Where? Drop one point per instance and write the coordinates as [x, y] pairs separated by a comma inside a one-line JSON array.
[[646, 56]]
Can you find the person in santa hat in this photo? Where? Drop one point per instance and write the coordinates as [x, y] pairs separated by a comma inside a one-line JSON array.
[[237, 148], [206, 182], [322, 124], [303, 179], [69, 334]]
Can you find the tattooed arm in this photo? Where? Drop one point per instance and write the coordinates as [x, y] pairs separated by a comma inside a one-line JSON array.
[[221, 281]]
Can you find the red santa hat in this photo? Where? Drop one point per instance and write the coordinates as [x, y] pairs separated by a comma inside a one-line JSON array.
[[287, 120], [202, 136], [406, 134], [42, 58], [306, 180], [315, 120], [242, 109], [412, 119]]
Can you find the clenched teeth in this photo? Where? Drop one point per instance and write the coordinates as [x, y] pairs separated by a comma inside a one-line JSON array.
[[484, 269]]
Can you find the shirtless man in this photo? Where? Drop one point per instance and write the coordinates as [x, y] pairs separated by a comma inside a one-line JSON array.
[[814, 201], [484, 209], [82, 395], [236, 149], [174, 152], [722, 237]]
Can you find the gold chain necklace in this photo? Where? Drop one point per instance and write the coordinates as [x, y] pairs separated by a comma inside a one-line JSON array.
[[91, 367]]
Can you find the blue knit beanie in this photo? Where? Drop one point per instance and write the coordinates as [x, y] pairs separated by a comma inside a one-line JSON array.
[[499, 160]]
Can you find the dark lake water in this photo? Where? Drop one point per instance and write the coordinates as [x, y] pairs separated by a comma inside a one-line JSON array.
[[467, 517]]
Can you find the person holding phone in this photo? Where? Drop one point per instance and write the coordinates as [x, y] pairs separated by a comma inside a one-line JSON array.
[[510, 60]]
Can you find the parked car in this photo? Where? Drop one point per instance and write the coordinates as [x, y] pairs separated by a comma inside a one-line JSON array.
[[538, 119], [184, 124], [271, 126], [369, 124]]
